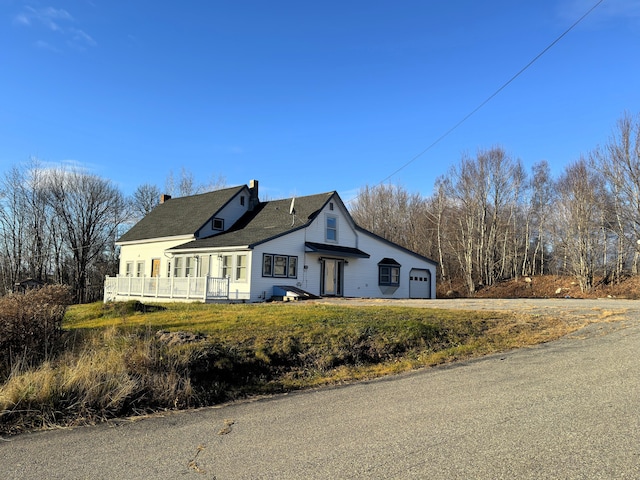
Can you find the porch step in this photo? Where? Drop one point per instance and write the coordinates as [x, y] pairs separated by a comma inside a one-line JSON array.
[[287, 293]]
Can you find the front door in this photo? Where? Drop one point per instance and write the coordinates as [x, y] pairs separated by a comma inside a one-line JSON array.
[[332, 271], [155, 267]]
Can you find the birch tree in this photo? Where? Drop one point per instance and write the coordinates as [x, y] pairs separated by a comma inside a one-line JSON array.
[[578, 221], [618, 162]]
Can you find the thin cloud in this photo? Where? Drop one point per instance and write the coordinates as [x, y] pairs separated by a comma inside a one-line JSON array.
[[76, 165], [608, 10], [56, 20], [350, 196], [49, 17], [41, 44], [65, 164], [22, 20], [622, 8], [82, 36]]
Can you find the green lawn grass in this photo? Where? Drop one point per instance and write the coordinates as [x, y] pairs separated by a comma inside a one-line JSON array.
[[113, 363]]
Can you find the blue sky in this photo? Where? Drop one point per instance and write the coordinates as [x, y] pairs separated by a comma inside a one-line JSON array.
[[308, 97]]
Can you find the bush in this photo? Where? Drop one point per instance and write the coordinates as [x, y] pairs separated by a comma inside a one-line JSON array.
[[30, 326]]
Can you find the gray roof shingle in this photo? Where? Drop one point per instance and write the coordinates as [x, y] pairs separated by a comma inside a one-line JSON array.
[[267, 221], [180, 216]]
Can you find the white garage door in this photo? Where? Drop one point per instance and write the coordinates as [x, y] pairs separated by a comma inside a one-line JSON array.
[[419, 283]]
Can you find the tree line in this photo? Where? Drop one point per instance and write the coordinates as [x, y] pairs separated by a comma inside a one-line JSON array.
[[59, 225], [488, 219]]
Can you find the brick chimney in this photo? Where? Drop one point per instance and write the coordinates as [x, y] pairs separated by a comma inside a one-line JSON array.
[[254, 201], [164, 197]]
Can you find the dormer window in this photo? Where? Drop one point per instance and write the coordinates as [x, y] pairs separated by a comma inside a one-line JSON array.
[[217, 224]]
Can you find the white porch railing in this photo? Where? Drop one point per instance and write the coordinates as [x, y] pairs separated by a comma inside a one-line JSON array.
[[166, 289]]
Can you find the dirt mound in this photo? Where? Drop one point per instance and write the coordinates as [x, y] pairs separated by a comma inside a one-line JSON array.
[[550, 286]]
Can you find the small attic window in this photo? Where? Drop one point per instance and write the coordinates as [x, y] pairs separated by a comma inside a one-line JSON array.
[[330, 205], [217, 224], [242, 200]]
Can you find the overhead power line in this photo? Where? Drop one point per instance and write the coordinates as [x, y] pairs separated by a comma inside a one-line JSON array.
[[494, 94]]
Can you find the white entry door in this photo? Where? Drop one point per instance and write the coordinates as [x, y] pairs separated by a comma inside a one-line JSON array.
[[332, 270]]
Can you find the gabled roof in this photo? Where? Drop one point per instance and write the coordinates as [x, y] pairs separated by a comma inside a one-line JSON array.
[[389, 242], [267, 221], [180, 216]]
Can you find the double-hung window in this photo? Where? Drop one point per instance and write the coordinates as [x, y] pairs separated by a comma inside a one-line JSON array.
[[332, 228], [267, 265], [177, 266], [241, 267], [191, 267], [226, 265], [293, 267], [140, 269]]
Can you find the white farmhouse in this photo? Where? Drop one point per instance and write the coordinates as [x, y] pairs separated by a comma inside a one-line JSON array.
[[226, 245]]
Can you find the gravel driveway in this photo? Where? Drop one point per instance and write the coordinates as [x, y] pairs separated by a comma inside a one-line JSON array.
[[600, 310]]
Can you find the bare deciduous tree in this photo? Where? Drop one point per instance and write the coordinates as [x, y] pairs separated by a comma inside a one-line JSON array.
[[543, 194], [187, 185], [485, 192], [393, 213], [619, 164], [13, 223], [89, 210], [145, 198], [578, 220]]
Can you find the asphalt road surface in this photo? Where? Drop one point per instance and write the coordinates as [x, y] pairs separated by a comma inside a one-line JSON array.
[[569, 409]]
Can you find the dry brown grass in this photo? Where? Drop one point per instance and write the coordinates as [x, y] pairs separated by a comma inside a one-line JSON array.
[[111, 375], [115, 364]]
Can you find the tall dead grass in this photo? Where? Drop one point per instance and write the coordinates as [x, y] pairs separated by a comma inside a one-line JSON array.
[[115, 373]]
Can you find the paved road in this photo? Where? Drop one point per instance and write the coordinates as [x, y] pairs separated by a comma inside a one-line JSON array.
[[569, 409]]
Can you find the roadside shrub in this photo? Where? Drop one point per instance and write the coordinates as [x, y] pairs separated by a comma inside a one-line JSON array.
[[30, 326]]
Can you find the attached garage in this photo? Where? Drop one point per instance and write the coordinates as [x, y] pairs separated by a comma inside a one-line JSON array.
[[419, 283]]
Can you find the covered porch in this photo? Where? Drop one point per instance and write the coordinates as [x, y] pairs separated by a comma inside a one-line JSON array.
[[168, 289]]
